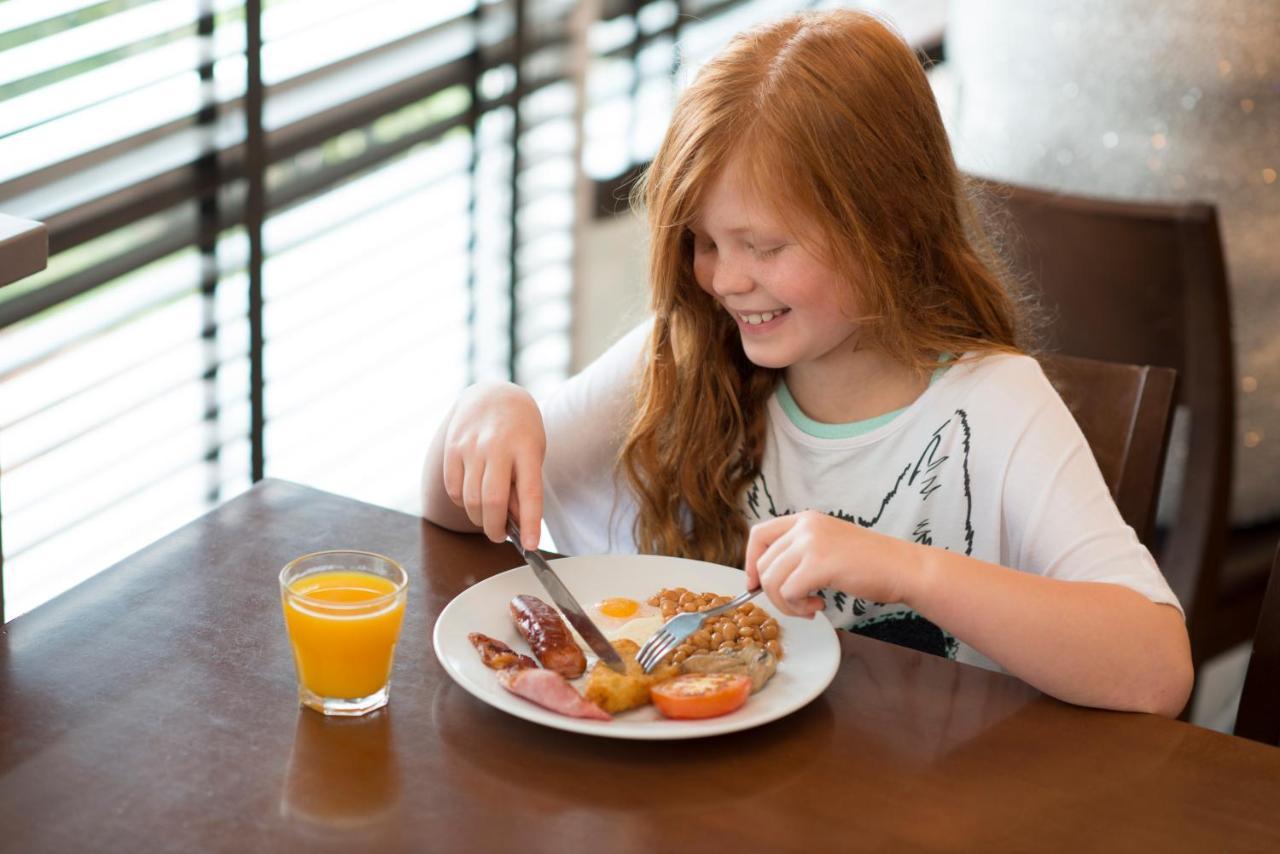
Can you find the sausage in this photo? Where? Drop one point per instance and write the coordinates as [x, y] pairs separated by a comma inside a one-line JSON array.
[[496, 654], [548, 636]]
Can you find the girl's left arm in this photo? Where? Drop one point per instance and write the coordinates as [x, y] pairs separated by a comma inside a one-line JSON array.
[[1090, 643], [1086, 642]]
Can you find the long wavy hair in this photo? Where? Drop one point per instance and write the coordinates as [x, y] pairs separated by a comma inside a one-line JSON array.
[[830, 116]]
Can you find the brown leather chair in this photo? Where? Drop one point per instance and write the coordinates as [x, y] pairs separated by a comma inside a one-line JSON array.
[[1125, 412], [1146, 284], [1259, 714]]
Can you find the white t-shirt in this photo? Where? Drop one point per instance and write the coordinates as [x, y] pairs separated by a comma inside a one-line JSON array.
[[987, 462]]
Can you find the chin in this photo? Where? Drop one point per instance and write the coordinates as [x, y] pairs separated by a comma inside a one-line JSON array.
[[767, 357]]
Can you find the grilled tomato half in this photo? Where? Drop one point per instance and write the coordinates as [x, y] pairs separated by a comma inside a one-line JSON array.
[[701, 695]]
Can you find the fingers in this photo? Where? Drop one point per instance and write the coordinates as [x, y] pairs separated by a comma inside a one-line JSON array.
[[778, 560], [797, 591], [775, 568], [528, 498], [472, 480], [794, 575], [454, 473], [492, 460], [759, 539], [495, 495], [490, 488]]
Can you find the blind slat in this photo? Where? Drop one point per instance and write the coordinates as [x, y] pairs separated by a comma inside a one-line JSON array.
[[121, 31], [16, 14]]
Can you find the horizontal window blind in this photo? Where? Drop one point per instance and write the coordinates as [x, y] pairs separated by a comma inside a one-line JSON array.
[[283, 236]]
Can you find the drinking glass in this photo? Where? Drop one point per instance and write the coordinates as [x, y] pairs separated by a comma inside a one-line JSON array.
[[343, 611]]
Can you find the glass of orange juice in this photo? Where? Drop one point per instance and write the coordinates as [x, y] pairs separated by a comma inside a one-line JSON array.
[[343, 610]]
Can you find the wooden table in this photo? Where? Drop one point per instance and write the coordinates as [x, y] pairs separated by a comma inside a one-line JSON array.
[[153, 708]]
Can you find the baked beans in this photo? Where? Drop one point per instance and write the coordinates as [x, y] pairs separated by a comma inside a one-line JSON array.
[[728, 632]]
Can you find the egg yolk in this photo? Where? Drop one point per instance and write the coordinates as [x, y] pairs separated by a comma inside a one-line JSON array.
[[618, 607]]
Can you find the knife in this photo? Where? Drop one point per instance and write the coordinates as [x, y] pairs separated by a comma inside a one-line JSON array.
[[564, 600]]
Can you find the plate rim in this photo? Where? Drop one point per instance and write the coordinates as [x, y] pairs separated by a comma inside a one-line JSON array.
[[667, 730]]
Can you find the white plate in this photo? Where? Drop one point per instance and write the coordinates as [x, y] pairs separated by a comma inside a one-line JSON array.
[[811, 649]]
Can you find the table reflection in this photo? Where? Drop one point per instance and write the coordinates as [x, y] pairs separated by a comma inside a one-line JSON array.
[[342, 772], [921, 709]]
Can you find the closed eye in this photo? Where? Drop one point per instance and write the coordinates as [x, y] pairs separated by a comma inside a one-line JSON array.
[[771, 251]]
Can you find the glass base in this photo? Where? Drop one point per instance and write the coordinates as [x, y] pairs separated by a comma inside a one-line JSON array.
[[343, 706]]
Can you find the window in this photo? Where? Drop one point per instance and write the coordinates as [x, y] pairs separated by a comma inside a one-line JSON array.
[[283, 235]]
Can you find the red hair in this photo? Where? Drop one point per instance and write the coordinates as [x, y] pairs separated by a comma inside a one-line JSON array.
[[831, 117]]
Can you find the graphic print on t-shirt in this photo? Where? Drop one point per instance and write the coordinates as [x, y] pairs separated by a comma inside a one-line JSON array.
[[928, 501]]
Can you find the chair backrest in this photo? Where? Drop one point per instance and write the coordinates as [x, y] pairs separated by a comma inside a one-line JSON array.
[[1143, 284], [1125, 412], [1259, 714]]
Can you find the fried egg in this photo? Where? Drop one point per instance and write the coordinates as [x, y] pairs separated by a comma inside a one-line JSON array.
[[619, 617], [639, 630], [617, 611]]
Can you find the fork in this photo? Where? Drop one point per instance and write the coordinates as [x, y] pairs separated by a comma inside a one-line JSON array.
[[680, 627]]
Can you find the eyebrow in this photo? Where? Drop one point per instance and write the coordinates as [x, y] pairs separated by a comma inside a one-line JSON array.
[[742, 229]]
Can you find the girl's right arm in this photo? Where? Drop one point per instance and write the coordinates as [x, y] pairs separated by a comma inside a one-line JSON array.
[[485, 461]]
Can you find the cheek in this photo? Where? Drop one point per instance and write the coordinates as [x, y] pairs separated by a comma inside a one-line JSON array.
[[813, 289], [703, 268]]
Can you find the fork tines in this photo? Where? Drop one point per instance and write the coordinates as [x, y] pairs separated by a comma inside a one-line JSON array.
[[654, 649]]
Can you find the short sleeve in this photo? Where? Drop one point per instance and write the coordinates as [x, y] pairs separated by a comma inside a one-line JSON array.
[[585, 508], [1062, 521]]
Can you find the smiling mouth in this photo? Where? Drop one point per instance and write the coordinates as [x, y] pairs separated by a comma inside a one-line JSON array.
[[757, 318]]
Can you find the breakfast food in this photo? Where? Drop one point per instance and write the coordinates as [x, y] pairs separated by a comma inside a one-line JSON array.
[[496, 654], [618, 692], [756, 663], [701, 695], [549, 689], [619, 617], [711, 673], [548, 636], [744, 625], [617, 610]]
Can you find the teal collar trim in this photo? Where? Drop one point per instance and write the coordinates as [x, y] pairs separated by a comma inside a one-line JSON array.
[[818, 429], [942, 367]]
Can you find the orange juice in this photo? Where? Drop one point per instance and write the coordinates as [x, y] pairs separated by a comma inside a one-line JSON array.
[[344, 625]]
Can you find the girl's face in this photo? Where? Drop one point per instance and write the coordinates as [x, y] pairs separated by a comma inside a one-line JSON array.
[[784, 299]]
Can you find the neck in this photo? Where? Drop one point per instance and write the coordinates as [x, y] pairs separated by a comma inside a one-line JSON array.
[[854, 386]]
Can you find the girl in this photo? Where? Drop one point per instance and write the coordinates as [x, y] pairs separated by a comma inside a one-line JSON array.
[[831, 393]]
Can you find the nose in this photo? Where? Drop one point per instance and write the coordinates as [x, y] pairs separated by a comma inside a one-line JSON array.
[[730, 277]]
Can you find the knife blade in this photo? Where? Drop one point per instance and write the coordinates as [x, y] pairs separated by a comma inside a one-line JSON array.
[[564, 600]]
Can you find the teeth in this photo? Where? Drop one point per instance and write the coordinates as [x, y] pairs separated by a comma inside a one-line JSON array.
[[757, 319]]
